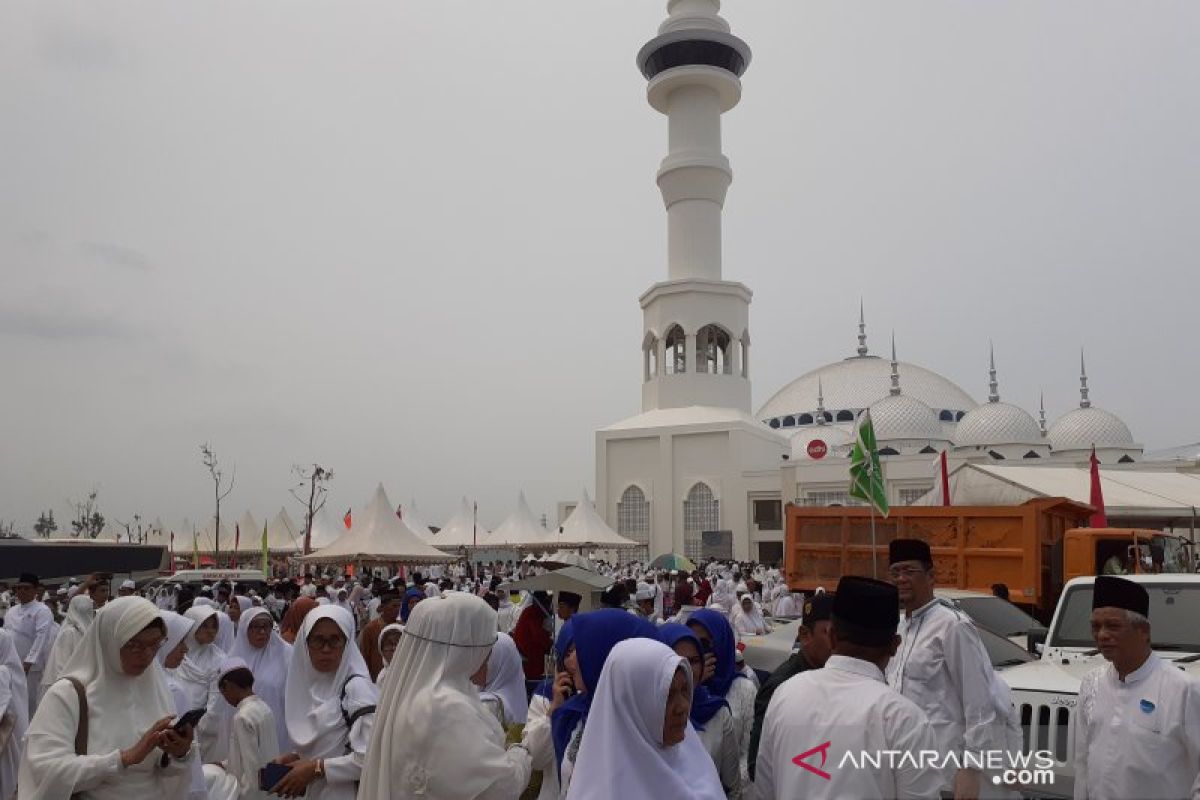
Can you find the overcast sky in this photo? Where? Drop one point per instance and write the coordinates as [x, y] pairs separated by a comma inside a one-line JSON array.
[[406, 239]]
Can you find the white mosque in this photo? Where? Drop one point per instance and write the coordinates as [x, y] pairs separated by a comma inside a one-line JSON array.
[[697, 471]]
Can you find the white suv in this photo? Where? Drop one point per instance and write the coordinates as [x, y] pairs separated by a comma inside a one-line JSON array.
[[1046, 691]]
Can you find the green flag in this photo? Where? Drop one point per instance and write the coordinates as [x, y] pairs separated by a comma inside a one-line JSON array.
[[266, 561], [866, 473]]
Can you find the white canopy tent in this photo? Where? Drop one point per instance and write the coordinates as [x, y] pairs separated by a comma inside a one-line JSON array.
[[377, 536], [521, 531], [1129, 494], [247, 534], [325, 530], [584, 527], [413, 520], [207, 542], [283, 534], [461, 531]]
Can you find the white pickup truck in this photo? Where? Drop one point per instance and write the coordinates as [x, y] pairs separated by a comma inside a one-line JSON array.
[[1046, 691]]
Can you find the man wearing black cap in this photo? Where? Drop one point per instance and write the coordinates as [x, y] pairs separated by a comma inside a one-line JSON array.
[[815, 647], [31, 624], [943, 667], [1138, 729], [821, 723], [568, 605]]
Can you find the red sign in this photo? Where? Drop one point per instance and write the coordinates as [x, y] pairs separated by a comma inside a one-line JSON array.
[[817, 449]]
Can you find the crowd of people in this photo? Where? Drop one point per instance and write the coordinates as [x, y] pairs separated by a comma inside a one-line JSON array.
[[444, 685]]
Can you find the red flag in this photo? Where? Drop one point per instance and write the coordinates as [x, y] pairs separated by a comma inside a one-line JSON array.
[[1098, 519], [237, 540], [346, 519], [400, 512], [945, 481]]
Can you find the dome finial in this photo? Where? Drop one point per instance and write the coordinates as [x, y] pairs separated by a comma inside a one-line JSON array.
[[820, 402], [862, 330], [895, 369], [1042, 412], [1084, 402], [993, 384]]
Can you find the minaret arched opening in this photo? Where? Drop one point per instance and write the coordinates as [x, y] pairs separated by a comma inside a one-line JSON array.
[[633, 521], [649, 356], [675, 352], [701, 512], [712, 351]]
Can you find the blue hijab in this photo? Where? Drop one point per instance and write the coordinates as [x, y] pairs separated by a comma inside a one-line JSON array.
[[724, 648], [566, 638], [595, 634], [404, 609], [704, 704]]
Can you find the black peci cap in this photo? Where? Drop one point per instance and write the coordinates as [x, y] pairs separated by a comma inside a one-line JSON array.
[[817, 608], [1113, 592], [909, 550], [867, 609]]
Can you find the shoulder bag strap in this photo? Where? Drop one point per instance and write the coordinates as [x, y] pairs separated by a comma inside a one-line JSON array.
[[81, 732]]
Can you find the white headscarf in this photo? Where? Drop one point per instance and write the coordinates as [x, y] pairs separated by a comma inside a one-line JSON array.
[[120, 707], [14, 699], [270, 667], [397, 627], [178, 626], [312, 699], [621, 753], [200, 665], [506, 680], [244, 604], [430, 721], [225, 632], [79, 616]]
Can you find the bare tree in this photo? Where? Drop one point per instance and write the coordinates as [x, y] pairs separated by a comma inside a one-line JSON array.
[[312, 482], [133, 530], [45, 525], [221, 490], [88, 522], [8, 529]]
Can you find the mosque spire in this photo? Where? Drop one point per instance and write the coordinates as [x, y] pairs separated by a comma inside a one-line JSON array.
[[993, 384], [895, 369], [1084, 402], [1042, 412], [820, 402], [862, 330]]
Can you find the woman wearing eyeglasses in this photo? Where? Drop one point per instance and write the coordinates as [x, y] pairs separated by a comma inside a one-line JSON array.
[[131, 750], [329, 703], [267, 656]]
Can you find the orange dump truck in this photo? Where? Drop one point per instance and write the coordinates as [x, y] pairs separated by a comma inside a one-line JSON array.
[[1032, 548]]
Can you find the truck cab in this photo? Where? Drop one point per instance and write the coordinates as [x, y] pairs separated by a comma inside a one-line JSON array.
[[1046, 691]]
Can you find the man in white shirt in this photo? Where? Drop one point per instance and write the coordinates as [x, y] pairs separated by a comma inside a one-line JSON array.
[[32, 625], [127, 589], [1138, 729], [943, 667], [826, 728]]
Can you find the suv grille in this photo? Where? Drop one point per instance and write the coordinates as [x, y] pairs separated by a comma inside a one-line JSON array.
[[1045, 726]]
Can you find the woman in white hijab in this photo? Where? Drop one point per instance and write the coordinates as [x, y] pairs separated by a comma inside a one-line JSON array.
[[197, 677], [329, 707], [226, 632], [14, 713], [70, 634], [240, 605], [503, 693], [267, 655], [389, 640], [129, 717], [638, 741], [434, 740]]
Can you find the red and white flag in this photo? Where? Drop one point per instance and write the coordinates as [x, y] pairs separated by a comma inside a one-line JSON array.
[[346, 520], [1098, 519], [941, 481]]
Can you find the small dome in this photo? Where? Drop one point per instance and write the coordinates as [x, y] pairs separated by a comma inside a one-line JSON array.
[[997, 423], [899, 416], [1083, 428]]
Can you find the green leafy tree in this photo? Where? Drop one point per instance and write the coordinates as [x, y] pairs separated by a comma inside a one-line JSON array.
[[45, 525]]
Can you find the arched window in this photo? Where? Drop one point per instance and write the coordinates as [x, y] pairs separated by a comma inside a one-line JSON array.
[[995, 455], [928, 450], [789, 421], [1126, 459], [712, 351], [845, 416], [1032, 454], [946, 416], [701, 512], [675, 360], [889, 451], [774, 423], [633, 522], [649, 356], [959, 415], [805, 419], [828, 417]]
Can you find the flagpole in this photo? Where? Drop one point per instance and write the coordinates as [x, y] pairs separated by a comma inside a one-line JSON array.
[[874, 555]]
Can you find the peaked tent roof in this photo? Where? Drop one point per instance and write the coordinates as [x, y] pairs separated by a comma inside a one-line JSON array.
[[207, 542], [377, 535], [248, 534], [414, 521], [283, 534], [585, 527], [325, 530], [461, 531], [521, 530]]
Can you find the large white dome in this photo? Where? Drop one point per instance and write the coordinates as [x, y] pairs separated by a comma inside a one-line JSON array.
[[997, 423], [854, 384], [899, 416], [1083, 428]]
